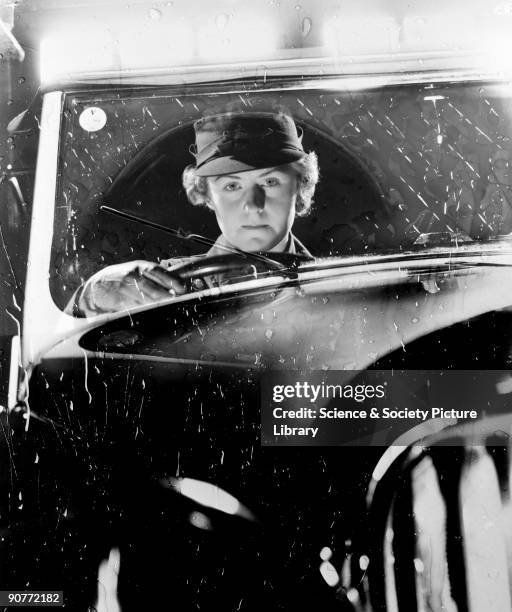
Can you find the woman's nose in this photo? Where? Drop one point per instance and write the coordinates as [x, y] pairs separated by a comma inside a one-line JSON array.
[[255, 199]]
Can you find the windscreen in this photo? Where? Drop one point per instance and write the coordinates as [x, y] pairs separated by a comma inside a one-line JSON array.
[[399, 166]]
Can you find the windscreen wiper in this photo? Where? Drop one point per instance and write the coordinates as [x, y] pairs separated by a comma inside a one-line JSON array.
[[179, 233]]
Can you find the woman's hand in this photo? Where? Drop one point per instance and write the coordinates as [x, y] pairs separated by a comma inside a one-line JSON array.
[[127, 285]]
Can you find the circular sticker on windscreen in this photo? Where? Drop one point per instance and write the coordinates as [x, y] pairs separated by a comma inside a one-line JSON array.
[[92, 119]]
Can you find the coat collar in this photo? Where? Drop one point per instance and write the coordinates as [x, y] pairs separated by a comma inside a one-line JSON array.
[[222, 246]]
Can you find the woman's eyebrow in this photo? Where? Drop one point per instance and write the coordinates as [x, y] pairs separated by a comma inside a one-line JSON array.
[[269, 171], [226, 176]]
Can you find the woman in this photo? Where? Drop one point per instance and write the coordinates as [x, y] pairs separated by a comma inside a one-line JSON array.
[[253, 173]]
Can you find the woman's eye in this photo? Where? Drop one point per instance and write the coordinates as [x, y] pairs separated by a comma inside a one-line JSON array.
[[231, 186], [271, 181]]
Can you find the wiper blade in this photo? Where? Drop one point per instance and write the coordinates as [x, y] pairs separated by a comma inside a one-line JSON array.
[[179, 233], [176, 233]]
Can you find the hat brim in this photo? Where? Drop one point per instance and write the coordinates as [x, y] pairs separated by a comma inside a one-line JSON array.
[[219, 166]]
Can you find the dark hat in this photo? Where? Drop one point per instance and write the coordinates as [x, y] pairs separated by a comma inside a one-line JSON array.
[[237, 142]]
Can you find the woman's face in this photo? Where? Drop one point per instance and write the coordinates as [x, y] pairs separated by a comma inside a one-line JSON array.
[[255, 209]]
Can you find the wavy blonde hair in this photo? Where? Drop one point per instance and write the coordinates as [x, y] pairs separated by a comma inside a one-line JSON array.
[[196, 187]]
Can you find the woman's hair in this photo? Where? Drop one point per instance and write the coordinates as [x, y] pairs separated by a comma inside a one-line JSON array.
[[196, 187]]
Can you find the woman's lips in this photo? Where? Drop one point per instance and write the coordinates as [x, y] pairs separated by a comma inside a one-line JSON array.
[[259, 226]]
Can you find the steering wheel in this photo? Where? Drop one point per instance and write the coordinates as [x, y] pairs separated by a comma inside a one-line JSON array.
[[253, 263]]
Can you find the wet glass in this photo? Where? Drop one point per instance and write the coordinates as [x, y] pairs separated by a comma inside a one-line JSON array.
[[395, 163]]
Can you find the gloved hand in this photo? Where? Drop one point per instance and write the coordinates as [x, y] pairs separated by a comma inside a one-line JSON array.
[[126, 285]]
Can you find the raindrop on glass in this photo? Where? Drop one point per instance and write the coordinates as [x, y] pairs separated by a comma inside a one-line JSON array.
[[221, 21], [200, 520], [306, 26], [155, 14], [364, 562]]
